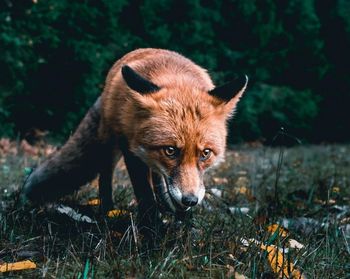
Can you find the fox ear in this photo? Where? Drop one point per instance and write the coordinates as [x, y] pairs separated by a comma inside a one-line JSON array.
[[231, 91], [137, 82]]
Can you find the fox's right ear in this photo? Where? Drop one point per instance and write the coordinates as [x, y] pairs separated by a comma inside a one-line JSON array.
[[230, 93], [137, 82], [231, 90]]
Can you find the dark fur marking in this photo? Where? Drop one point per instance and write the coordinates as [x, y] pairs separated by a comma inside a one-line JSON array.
[[137, 82], [227, 91]]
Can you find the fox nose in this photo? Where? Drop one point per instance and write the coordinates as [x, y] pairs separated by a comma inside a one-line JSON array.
[[189, 200]]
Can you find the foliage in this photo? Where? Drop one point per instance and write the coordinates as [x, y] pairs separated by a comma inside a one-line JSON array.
[[55, 56], [267, 108]]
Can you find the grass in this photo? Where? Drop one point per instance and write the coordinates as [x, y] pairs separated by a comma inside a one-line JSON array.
[[307, 190]]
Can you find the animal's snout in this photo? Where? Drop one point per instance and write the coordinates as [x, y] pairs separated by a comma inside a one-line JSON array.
[[189, 200]]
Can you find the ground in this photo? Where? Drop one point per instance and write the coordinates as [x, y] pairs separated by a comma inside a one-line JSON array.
[[267, 212]]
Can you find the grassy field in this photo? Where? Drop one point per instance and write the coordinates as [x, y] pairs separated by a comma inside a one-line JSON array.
[[305, 189]]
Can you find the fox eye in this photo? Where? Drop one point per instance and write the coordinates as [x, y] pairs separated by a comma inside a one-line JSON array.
[[171, 151], [206, 154]]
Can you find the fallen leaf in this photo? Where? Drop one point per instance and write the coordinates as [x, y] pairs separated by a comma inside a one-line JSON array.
[[275, 227], [335, 189], [295, 244], [345, 220], [242, 183], [332, 201], [239, 210], [216, 192], [116, 213], [243, 189], [220, 180], [324, 202], [239, 276], [17, 266], [279, 264], [247, 242], [94, 202]]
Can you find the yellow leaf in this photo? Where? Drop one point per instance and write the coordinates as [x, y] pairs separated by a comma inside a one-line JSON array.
[[335, 189], [17, 266], [281, 231], [279, 264], [116, 213], [94, 202], [242, 182]]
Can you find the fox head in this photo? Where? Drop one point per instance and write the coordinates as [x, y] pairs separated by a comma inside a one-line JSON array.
[[179, 132]]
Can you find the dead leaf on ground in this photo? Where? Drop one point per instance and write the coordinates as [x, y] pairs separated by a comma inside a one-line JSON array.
[[220, 180], [345, 220], [6, 267], [116, 213], [239, 210], [295, 244], [279, 264], [324, 202], [242, 182], [216, 192], [94, 202], [282, 232], [239, 276], [242, 189]]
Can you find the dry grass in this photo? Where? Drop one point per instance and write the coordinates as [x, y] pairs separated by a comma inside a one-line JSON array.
[[310, 196]]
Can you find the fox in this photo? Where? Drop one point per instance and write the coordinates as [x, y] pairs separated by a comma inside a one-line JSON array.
[[163, 114]]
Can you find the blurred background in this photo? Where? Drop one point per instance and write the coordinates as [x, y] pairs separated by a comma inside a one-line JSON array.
[[54, 56]]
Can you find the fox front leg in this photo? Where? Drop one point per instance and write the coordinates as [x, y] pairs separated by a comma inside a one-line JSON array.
[[105, 189], [147, 207], [106, 179]]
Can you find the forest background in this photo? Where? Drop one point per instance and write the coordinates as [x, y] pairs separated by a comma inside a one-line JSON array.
[[54, 56]]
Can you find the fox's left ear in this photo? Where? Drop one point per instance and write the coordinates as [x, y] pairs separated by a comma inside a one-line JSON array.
[[230, 93], [137, 82]]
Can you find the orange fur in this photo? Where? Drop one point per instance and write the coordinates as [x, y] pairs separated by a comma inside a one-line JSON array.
[[182, 114]]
